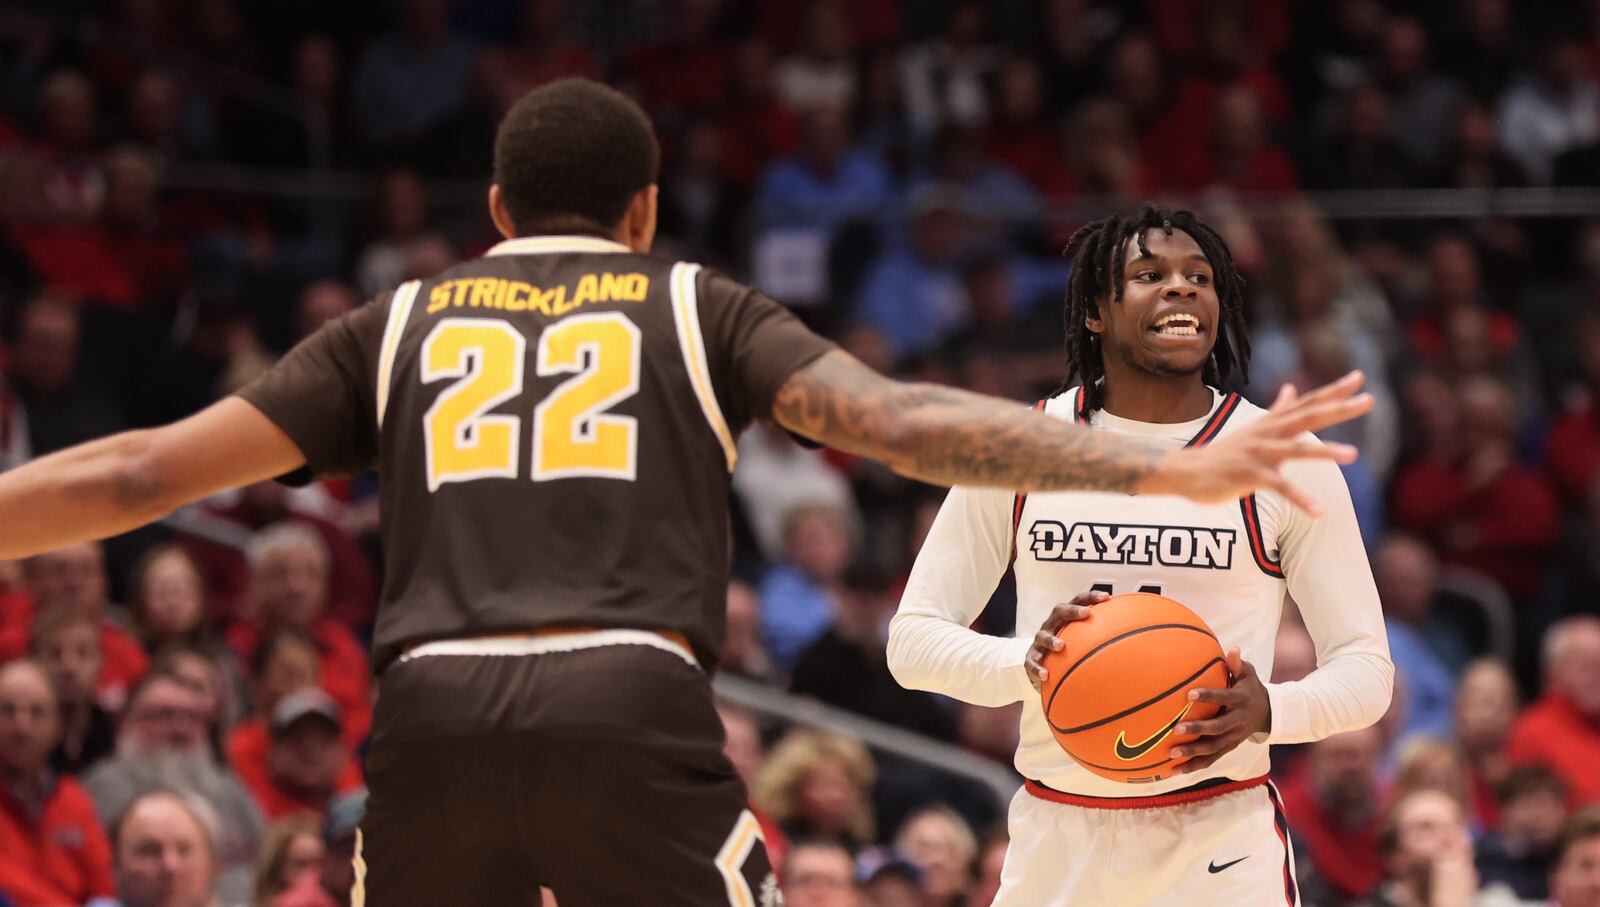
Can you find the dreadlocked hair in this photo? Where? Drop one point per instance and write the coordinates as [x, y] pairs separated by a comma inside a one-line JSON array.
[[1097, 252]]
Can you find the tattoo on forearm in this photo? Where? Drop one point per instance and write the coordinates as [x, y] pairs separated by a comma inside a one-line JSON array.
[[949, 436]]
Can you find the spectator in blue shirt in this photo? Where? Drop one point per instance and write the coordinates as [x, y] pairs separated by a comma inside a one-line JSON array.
[[915, 296], [827, 182], [1407, 578], [799, 598]]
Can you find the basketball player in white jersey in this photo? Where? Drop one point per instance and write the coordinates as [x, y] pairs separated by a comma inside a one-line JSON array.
[[1155, 328]]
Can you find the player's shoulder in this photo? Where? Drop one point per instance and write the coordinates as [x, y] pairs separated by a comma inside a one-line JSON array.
[[1067, 405]]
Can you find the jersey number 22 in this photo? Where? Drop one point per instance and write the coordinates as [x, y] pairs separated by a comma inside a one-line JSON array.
[[573, 435]]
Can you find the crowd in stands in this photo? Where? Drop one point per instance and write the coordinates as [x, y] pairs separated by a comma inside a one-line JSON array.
[[188, 187]]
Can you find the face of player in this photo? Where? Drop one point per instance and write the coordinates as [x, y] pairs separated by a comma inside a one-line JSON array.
[[72, 656], [820, 877], [1576, 880], [172, 597], [163, 859], [29, 723], [1166, 322]]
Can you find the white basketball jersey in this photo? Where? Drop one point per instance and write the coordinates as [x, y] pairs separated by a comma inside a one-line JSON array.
[[1220, 560]]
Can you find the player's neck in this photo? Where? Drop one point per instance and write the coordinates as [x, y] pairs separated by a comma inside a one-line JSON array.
[[1142, 397]]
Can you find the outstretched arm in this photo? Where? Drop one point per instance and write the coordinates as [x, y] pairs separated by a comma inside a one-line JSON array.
[[121, 482], [948, 437]]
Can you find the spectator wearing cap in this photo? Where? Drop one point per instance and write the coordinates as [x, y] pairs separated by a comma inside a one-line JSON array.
[[285, 661], [162, 745], [888, 879], [1575, 882], [290, 570], [305, 763], [74, 577], [1562, 728], [166, 853], [52, 849], [1521, 851], [334, 884], [66, 642], [820, 874]]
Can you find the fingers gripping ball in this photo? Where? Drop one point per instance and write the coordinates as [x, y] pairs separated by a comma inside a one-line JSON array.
[[1121, 684]]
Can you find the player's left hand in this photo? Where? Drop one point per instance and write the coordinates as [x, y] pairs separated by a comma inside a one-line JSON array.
[[1245, 711]]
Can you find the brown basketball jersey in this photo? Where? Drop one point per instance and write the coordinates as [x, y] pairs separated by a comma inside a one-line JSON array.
[[553, 425]]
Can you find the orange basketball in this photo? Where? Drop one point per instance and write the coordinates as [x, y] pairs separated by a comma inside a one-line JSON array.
[[1122, 684]]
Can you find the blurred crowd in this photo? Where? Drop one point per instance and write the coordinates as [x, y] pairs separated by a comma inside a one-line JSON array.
[[187, 187]]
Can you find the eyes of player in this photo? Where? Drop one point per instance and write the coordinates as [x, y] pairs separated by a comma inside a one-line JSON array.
[[1198, 278]]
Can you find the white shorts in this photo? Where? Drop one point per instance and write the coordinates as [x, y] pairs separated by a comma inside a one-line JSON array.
[[1226, 846]]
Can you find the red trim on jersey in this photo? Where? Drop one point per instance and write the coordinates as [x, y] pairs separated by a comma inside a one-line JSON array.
[[1280, 823], [1176, 798], [1258, 545], [1217, 420], [1019, 499], [1080, 408]]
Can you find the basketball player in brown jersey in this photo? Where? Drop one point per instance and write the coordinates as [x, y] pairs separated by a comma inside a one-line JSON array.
[[554, 425]]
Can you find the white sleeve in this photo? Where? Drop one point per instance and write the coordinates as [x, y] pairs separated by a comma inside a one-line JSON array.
[[931, 645], [1330, 579]]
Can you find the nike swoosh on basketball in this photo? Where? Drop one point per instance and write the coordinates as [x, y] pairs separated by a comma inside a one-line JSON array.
[[1214, 868], [1129, 753]]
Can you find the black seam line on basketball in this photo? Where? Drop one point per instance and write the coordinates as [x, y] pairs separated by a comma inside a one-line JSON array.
[[1123, 770], [1130, 710]]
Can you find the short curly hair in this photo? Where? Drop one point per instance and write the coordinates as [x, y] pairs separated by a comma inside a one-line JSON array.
[[569, 157]]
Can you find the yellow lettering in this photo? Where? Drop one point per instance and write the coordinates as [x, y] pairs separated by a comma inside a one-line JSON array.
[[516, 295], [500, 287], [459, 292], [554, 301], [587, 290], [438, 297], [610, 287], [483, 292], [637, 286]]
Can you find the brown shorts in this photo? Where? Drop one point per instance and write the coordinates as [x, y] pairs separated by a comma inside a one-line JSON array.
[[597, 773]]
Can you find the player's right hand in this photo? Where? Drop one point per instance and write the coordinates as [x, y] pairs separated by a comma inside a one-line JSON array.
[[1251, 459], [1045, 641]]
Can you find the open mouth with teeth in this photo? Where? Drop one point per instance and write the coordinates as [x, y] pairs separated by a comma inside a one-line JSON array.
[[1177, 324]]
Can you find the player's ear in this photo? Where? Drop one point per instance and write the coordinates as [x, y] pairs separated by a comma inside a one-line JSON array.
[[1092, 320], [499, 214], [639, 224]]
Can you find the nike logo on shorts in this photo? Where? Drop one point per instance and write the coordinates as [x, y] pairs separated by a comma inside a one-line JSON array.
[[1214, 868]]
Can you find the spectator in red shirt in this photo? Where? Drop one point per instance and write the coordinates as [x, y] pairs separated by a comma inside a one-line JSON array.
[[155, 259], [352, 586], [16, 605], [52, 850], [1237, 154], [74, 578], [66, 642], [1562, 728], [332, 886], [304, 763], [1455, 282], [1573, 453], [1486, 707], [289, 590], [686, 71], [1334, 815], [1483, 510], [166, 853]]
